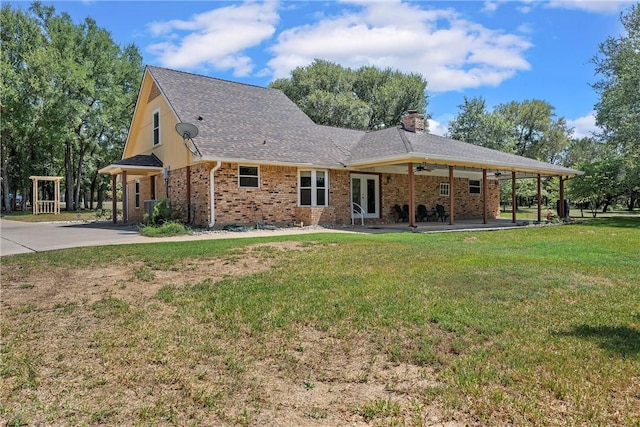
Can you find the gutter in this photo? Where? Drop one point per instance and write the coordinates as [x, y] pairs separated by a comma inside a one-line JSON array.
[[212, 221]]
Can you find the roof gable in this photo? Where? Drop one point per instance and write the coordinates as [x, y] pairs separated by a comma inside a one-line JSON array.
[[244, 122]]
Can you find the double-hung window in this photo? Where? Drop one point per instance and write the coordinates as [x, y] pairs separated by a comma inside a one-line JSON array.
[[444, 188], [156, 128], [248, 177], [313, 188]]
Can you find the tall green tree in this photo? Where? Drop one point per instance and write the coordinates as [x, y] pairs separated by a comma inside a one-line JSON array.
[[27, 147], [537, 133], [366, 98], [604, 177], [618, 110], [618, 62], [78, 89], [476, 125]]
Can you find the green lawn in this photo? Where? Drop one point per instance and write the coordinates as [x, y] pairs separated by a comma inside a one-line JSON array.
[[83, 215], [534, 326]]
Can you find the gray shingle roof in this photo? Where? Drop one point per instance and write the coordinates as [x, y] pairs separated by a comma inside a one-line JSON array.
[[141, 160], [437, 149], [252, 123], [241, 121]]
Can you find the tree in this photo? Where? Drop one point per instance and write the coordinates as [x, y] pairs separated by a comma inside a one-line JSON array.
[[367, 98], [77, 89], [535, 131], [618, 110], [94, 81], [475, 125], [25, 72], [600, 186]]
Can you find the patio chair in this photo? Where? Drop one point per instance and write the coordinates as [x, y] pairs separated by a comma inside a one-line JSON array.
[[423, 213], [400, 214], [405, 209], [442, 215]]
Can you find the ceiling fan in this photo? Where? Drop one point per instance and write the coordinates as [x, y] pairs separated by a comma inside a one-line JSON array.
[[422, 167]]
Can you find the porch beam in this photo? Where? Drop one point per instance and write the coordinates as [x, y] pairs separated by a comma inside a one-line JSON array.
[[451, 198], [484, 196], [114, 201], [412, 196], [513, 197], [539, 199]]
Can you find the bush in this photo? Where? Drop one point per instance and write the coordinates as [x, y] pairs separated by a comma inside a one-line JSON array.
[[161, 213], [165, 230]]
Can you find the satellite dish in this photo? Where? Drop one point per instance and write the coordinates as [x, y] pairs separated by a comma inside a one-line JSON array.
[[188, 131]]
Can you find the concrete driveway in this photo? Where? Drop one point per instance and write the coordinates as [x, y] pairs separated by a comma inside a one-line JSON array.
[[19, 237]]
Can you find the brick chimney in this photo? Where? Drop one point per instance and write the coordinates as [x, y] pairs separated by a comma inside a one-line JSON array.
[[413, 122]]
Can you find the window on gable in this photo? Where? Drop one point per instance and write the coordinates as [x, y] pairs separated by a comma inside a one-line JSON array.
[[474, 186], [248, 177], [313, 188], [444, 188], [156, 127]]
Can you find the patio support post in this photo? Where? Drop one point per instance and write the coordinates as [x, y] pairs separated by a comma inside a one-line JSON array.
[[114, 201], [539, 199], [125, 198], [451, 198], [513, 196], [484, 196], [561, 211], [412, 197]]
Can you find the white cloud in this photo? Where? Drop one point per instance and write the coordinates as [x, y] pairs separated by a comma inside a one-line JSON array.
[[601, 6], [216, 38], [584, 126], [450, 52], [489, 7], [436, 128], [526, 6]]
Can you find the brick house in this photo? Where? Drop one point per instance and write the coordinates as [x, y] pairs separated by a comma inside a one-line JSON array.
[[258, 158]]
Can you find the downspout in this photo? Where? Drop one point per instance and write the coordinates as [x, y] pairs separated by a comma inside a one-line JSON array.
[[212, 221]]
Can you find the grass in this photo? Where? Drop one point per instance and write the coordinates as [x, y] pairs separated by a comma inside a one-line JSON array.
[[536, 326], [82, 215], [531, 213]]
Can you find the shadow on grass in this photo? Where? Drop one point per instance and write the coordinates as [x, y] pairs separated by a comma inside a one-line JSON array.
[[621, 340], [623, 222]]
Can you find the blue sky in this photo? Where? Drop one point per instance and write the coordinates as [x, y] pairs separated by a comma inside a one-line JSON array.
[[502, 50]]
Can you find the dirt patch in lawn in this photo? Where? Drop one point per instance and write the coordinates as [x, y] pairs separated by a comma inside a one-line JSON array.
[[95, 346]]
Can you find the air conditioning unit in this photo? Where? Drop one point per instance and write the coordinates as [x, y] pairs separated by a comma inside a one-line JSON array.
[[148, 206]]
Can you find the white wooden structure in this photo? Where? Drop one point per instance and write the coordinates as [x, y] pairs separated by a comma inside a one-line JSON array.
[[41, 206]]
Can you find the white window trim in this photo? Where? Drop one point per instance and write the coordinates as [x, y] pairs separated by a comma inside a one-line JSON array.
[[479, 187], [314, 188], [444, 188], [252, 176], [156, 111]]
